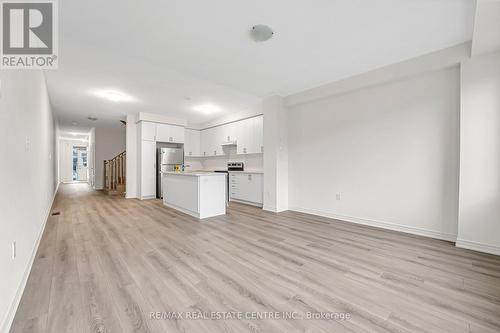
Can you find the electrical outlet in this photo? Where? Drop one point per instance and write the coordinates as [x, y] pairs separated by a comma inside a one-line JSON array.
[[28, 144], [14, 250], [337, 196]]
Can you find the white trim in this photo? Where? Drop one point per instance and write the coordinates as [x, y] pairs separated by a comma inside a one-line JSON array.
[[381, 224], [159, 119], [9, 318], [274, 209], [148, 197], [270, 209], [476, 246], [246, 202]]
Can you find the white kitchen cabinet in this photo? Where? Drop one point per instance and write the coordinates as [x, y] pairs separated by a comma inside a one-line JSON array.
[[204, 144], [147, 169], [246, 187], [247, 133], [229, 132], [147, 131], [210, 142], [177, 133], [169, 133], [258, 134], [244, 134], [251, 131], [192, 143], [218, 139]]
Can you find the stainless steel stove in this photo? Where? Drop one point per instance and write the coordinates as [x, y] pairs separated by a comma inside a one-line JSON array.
[[231, 166]]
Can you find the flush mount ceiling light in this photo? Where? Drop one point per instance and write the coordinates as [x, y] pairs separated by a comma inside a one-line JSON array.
[[92, 118], [261, 33], [207, 108], [114, 96], [74, 123]]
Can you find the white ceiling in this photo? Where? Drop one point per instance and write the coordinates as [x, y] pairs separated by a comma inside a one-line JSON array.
[[161, 51], [486, 37]]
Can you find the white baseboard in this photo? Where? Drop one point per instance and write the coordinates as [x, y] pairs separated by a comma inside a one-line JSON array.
[[148, 197], [380, 224], [274, 209], [269, 209], [9, 318], [481, 247], [246, 202]]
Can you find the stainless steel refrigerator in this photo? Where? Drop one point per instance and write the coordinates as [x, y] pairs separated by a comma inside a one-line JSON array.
[[167, 159]]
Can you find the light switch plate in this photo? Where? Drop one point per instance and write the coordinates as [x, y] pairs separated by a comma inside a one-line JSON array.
[[14, 250]]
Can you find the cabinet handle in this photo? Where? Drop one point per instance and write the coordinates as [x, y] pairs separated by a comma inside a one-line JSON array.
[[228, 138], [190, 153], [215, 152], [204, 153], [261, 149], [170, 139], [244, 150]]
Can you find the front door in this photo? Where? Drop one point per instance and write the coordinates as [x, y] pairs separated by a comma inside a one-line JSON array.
[[80, 167]]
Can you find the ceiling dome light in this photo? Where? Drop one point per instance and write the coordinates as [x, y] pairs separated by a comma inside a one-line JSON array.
[[207, 108], [261, 33], [92, 118], [114, 96]]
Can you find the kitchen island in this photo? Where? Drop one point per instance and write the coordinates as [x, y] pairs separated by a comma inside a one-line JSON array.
[[199, 194]]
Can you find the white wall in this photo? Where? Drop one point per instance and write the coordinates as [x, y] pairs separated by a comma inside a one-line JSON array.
[[28, 175], [109, 142], [479, 215], [276, 134], [131, 157], [390, 151]]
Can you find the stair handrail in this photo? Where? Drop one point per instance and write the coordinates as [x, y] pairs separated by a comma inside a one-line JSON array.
[[114, 172]]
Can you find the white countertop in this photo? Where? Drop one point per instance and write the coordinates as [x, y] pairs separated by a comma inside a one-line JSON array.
[[192, 173], [246, 171]]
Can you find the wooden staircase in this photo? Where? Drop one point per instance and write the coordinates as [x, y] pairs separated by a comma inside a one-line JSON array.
[[114, 175]]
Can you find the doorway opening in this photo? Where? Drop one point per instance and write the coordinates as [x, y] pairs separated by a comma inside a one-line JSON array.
[[80, 165]]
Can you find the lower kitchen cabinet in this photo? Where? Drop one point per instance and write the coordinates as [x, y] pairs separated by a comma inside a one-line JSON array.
[[246, 187]]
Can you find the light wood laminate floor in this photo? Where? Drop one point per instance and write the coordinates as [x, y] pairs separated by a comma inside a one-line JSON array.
[[106, 263]]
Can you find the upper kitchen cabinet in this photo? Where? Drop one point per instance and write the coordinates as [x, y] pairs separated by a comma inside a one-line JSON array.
[[169, 133], [229, 132], [147, 131], [211, 140], [219, 136], [258, 130], [244, 130], [192, 143], [250, 136], [206, 142], [247, 134]]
